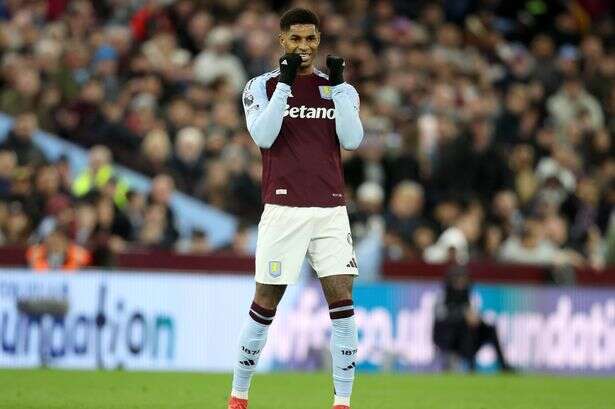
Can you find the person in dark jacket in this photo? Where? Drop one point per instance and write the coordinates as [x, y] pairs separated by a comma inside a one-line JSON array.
[[19, 140], [458, 328], [473, 164]]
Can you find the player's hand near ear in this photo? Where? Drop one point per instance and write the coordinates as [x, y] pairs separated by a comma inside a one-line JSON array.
[[289, 65], [336, 66]]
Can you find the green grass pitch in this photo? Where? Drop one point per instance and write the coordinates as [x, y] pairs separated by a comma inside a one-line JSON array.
[[51, 389]]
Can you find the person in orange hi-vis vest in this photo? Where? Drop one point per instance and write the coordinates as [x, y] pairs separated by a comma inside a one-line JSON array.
[[57, 252]]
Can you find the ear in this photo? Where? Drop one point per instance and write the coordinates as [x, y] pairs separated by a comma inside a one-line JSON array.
[[317, 37], [282, 39]]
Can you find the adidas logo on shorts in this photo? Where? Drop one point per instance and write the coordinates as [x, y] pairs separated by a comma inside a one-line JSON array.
[[352, 263]]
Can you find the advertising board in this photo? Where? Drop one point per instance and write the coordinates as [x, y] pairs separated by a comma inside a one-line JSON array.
[[153, 321]]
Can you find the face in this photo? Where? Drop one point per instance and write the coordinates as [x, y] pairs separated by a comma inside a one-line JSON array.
[[162, 188], [302, 39], [407, 203], [56, 242], [25, 125], [99, 157]]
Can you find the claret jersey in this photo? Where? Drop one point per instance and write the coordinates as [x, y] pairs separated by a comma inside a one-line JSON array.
[[302, 166]]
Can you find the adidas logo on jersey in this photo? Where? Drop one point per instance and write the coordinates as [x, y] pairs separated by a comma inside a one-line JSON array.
[[309, 112]]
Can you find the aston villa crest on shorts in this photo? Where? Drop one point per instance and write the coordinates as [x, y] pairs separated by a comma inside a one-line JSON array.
[[275, 268]]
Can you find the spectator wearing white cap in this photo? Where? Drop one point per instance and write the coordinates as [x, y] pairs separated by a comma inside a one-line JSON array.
[[454, 244], [572, 101], [367, 225], [217, 60], [367, 218], [187, 162]]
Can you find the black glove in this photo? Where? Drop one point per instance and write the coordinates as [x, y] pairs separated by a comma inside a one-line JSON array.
[[336, 69], [289, 64]]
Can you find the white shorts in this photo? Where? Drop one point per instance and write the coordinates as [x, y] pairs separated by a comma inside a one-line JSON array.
[[287, 234]]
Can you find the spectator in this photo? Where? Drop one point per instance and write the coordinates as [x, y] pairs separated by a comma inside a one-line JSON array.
[[159, 200], [22, 190], [57, 252], [191, 35], [492, 239], [555, 176], [447, 211], [582, 211], [606, 208], [366, 219], [464, 110], [545, 69], [405, 215], [8, 162], [610, 244], [165, 57], [532, 247], [47, 192], [155, 153], [197, 244], [244, 183], [506, 212], [454, 245], [214, 187], [105, 67], [572, 101], [19, 140], [241, 243], [98, 174], [473, 164], [17, 227], [522, 164], [85, 222], [110, 234], [187, 162], [23, 95], [179, 115], [156, 231], [82, 120], [368, 165], [508, 125], [135, 212], [62, 165], [216, 61]]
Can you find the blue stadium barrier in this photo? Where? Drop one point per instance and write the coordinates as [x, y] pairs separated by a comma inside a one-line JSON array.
[[190, 213]]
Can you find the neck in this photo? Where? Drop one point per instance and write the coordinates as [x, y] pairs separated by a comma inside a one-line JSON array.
[[306, 71]]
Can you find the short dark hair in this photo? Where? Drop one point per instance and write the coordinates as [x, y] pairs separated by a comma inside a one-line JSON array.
[[298, 16]]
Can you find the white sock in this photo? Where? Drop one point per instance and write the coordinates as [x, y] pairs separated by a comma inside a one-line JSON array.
[[251, 343], [240, 394], [343, 349], [341, 400]]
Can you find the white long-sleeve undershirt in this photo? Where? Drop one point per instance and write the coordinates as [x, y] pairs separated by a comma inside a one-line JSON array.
[[264, 116]]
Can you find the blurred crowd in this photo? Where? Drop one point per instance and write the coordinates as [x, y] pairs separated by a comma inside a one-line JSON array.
[[489, 123]]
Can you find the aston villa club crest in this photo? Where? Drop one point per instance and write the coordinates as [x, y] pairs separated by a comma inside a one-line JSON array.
[[275, 269], [325, 91]]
